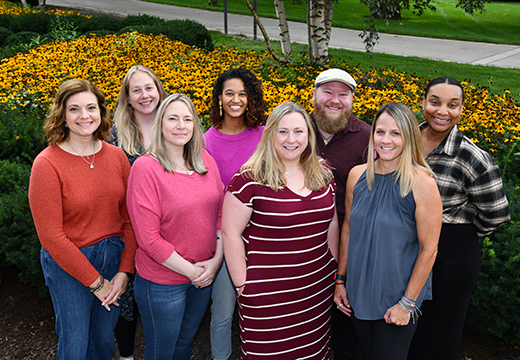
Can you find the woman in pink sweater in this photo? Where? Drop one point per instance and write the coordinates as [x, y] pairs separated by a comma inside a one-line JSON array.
[[237, 112], [77, 195], [174, 200]]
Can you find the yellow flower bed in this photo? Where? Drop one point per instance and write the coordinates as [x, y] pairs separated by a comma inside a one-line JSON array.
[[33, 78], [9, 8]]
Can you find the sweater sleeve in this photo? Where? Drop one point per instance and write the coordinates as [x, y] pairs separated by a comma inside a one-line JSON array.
[[213, 168], [45, 200], [128, 255], [144, 206]]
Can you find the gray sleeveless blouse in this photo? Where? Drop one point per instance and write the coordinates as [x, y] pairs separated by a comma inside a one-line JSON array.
[[383, 247]]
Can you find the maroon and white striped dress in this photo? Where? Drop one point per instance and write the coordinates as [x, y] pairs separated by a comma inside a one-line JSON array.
[[286, 304]]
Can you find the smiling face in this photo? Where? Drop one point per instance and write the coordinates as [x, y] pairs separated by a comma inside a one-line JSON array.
[[177, 125], [332, 106], [388, 141], [234, 98], [291, 137], [82, 114], [143, 94], [442, 107]]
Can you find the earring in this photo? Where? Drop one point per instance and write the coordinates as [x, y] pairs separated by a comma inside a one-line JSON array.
[[66, 125], [375, 153], [220, 107]]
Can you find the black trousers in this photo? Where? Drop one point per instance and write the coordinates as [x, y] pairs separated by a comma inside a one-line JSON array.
[[381, 341], [455, 275], [344, 342], [125, 333]]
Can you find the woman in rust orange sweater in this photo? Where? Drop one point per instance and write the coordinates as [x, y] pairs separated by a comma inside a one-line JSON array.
[[77, 195]]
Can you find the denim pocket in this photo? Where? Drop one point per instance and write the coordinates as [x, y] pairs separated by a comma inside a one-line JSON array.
[[105, 254]]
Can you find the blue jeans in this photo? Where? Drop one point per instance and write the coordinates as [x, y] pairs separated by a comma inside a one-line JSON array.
[[85, 328], [224, 299], [171, 315]]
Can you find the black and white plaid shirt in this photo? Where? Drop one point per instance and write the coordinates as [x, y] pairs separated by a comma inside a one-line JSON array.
[[469, 182]]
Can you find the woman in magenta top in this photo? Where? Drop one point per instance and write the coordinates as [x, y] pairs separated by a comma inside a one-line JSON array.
[[174, 200], [237, 110]]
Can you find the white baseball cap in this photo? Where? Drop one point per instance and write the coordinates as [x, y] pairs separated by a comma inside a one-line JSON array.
[[336, 75]]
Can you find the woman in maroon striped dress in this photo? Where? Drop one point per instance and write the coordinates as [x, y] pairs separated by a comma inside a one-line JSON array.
[[280, 236]]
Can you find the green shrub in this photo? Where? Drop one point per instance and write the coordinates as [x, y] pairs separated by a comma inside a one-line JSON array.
[[4, 34], [495, 304], [35, 22], [20, 246], [136, 20], [21, 134], [98, 22], [187, 31], [20, 38], [6, 20], [133, 28]]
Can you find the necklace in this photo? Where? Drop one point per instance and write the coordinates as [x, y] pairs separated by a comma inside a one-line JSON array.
[[286, 173], [325, 138], [93, 156]]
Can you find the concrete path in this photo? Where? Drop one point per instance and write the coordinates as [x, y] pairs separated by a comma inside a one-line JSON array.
[[438, 49]]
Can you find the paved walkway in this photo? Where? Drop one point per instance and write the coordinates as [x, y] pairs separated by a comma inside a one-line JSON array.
[[437, 49]]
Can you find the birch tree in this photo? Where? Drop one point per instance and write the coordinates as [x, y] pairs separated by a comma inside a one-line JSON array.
[[284, 28], [319, 22], [275, 56]]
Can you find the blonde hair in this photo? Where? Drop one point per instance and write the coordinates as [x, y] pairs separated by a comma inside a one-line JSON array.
[[129, 134], [54, 127], [412, 155], [192, 149], [265, 165]]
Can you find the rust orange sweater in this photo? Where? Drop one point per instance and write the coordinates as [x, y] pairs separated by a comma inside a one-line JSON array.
[[74, 206]]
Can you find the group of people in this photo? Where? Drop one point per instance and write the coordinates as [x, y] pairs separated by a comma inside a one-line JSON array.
[[326, 231]]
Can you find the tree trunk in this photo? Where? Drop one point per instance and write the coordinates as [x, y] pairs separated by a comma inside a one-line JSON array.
[[320, 21], [41, 4], [309, 31], [24, 3], [264, 33], [284, 28]]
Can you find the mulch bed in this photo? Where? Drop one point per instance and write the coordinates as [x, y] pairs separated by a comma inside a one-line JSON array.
[[27, 330]]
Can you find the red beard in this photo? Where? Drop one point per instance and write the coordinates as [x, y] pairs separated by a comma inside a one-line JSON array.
[[328, 124]]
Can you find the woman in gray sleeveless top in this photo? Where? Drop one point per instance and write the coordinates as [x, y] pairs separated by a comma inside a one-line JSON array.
[[389, 237]]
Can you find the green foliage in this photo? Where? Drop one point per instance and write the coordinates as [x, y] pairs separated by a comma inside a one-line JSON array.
[[510, 162], [4, 34], [63, 29], [188, 31], [36, 22], [20, 246], [31, 30], [21, 134], [134, 28], [20, 38], [495, 304], [138, 20]]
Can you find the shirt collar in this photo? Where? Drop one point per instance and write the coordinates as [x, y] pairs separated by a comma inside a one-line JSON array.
[[451, 143]]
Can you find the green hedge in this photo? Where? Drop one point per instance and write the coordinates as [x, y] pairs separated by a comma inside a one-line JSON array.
[[495, 304], [20, 246], [26, 27]]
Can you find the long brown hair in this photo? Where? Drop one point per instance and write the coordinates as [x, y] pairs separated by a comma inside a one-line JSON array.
[[54, 126]]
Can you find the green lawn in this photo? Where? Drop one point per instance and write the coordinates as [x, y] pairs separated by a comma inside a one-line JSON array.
[[500, 23], [496, 78]]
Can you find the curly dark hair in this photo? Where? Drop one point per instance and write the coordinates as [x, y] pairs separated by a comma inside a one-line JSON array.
[[255, 114]]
